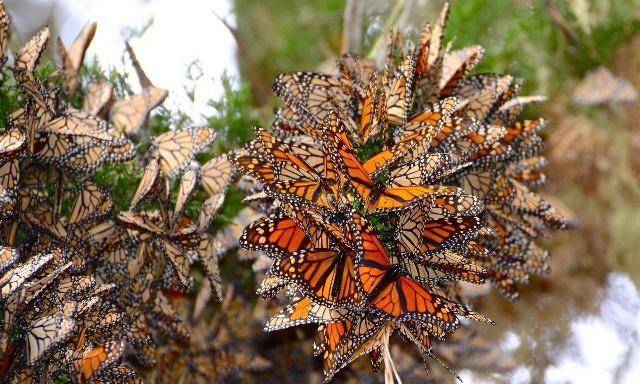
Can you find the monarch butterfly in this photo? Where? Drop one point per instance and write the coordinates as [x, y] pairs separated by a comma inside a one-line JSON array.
[[275, 234], [4, 33], [357, 69], [45, 332], [457, 64], [391, 293], [419, 133], [104, 320], [15, 277], [149, 184], [26, 62], [305, 311], [342, 342], [484, 94], [447, 200], [129, 114], [175, 149], [313, 92], [174, 244], [418, 234], [22, 301], [328, 276], [400, 92], [8, 256], [509, 111], [388, 199], [209, 209], [9, 173], [528, 171], [97, 98], [430, 50], [216, 175], [73, 58], [119, 374], [166, 318], [290, 175], [428, 169], [210, 251], [91, 204], [600, 86], [374, 116], [12, 142], [188, 182]]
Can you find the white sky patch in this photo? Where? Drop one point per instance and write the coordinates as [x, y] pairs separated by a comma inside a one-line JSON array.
[[604, 345], [180, 34]]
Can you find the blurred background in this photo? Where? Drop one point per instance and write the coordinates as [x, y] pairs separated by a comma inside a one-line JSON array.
[[580, 324]]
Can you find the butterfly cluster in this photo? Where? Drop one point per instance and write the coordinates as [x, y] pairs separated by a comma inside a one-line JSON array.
[[84, 289], [383, 189]]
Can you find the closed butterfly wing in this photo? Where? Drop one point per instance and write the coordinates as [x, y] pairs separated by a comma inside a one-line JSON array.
[[95, 360], [600, 86], [129, 114], [98, 98], [304, 311], [15, 277], [73, 58], [119, 374], [400, 92], [91, 203], [8, 256], [483, 94], [430, 51], [175, 149], [457, 64], [312, 93], [12, 142], [216, 175], [188, 182], [139, 222], [345, 341], [209, 209], [4, 32], [149, 184], [26, 62], [9, 173], [180, 261], [46, 332]]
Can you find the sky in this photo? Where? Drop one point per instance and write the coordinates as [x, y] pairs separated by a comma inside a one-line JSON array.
[[177, 36], [190, 31]]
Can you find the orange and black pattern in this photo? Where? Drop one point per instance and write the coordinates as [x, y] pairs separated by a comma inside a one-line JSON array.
[[85, 290], [384, 188]]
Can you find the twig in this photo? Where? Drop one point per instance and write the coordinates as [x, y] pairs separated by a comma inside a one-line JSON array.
[[561, 22], [259, 93], [142, 77], [352, 26]]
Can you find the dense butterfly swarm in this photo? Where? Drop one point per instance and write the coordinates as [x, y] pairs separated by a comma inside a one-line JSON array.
[[384, 189], [88, 294]]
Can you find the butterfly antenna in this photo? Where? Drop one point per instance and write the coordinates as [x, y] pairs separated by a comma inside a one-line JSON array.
[[445, 366]]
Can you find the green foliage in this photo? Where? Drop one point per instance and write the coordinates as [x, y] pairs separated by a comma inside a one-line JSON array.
[[526, 43], [233, 117], [232, 205], [9, 98], [121, 180], [292, 35]]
